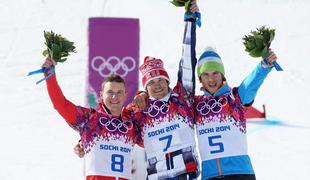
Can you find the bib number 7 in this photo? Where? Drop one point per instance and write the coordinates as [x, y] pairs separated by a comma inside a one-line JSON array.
[[168, 139]]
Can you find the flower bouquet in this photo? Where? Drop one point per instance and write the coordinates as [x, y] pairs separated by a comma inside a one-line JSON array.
[[58, 49], [258, 43], [188, 14]]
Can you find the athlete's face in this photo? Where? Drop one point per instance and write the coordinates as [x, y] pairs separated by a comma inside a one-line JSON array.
[[114, 95], [158, 88], [212, 81]]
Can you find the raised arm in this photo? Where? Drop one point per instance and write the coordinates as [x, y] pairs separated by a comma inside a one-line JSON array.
[[64, 107], [250, 85], [186, 74]]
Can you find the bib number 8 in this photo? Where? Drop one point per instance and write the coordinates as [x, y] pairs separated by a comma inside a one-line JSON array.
[[117, 162]]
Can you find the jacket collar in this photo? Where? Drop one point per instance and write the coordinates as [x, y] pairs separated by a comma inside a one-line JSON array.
[[223, 90], [166, 98], [103, 109]]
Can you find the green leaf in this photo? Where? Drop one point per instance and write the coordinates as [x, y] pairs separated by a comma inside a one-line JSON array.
[[187, 6], [45, 53], [57, 46], [272, 34], [56, 52], [258, 42], [181, 3], [265, 52], [62, 60], [255, 53], [177, 3], [250, 45]]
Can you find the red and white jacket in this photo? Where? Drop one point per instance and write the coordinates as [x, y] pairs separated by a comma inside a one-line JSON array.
[[166, 127], [107, 140]]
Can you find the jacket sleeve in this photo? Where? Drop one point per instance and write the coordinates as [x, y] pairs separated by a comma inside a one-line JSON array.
[[250, 85], [64, 107], [134, 114], [186, 73]]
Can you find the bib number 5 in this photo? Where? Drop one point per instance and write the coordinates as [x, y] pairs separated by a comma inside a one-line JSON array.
[[214, 141]]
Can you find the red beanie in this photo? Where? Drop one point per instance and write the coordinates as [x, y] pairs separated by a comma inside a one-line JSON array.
[[151, 69]]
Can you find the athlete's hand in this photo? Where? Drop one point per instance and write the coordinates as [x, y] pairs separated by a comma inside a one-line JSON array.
[[141, 100], [270, 59], [79, 150], [48, 63], [194, 6]]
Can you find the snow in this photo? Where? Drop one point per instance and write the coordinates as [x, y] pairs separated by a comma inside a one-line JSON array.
[[36, 143]]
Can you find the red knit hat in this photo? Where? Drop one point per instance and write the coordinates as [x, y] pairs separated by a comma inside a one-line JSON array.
[[151, 69]]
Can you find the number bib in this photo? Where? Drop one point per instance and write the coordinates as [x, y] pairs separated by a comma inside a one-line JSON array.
[[167, 137], [109, 158], [217, 140]]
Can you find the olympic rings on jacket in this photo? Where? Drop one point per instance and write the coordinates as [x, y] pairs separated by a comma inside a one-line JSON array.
[[113, 65], [115, 124], [212, 105], [157, 107]]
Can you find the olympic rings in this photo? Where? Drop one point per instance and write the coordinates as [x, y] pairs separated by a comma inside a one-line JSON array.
[[157, 107], [212, 105], [115, 124], [119, 66]]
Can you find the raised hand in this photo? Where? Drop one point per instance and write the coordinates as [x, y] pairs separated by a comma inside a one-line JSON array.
[[269, 61], [194, 7], [48, 68], [48, 64]]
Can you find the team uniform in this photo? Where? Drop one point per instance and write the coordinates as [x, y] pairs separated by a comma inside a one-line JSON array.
[[221, 128], [107, 140], [166, 127]]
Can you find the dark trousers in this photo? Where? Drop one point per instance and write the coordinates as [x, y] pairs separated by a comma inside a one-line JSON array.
[[235, 177]]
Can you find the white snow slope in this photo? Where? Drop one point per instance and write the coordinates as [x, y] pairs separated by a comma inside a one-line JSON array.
[[37, 144]]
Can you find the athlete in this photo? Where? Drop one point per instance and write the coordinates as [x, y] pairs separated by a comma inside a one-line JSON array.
[[166, 125], [220, 118], [106, 138]]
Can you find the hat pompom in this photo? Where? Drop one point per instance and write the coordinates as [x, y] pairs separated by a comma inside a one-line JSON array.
[[152, 68], [210, 48]]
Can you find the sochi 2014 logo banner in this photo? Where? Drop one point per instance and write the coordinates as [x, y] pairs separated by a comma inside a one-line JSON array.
[[113, 49]]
